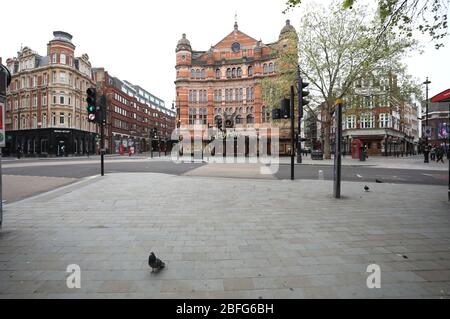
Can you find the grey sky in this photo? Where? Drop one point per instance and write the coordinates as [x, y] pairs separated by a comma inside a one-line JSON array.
[[135, 40]]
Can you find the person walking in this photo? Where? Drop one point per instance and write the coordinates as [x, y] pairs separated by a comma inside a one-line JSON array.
[[19, 152], [440, 155], [433, 153]]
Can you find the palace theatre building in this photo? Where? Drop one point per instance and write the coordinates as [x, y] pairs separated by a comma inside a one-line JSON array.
[[223, 83]]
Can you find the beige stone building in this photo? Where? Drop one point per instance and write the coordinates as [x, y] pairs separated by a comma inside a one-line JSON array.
[[46, 112]]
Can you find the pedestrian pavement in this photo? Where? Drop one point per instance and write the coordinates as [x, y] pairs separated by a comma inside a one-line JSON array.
[[227, 238], [409, 162], [19, 187]]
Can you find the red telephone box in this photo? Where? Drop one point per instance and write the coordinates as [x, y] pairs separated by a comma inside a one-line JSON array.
[[356, 145]]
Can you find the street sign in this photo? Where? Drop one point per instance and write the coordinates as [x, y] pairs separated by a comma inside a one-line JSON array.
[[427, 131], [2, 123]]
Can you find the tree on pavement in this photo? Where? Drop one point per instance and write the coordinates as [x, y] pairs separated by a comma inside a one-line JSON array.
[[335, 48], [406, 16]]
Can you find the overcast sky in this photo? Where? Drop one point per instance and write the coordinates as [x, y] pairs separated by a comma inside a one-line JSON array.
[[135, 40]]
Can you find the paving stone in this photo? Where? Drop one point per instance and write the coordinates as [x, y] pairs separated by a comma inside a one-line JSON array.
[[238, 284], [309, 246]]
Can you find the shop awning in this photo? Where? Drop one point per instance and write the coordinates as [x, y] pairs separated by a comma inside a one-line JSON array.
[[442, 97]]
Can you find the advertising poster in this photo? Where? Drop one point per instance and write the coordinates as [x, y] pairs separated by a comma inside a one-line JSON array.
[[443, 131]]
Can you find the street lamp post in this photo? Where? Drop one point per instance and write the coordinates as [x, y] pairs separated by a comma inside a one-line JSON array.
[[426, 150], [178, 124]]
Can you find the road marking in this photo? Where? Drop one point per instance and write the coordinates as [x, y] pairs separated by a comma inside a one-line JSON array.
[[320, 175], [359, 175]]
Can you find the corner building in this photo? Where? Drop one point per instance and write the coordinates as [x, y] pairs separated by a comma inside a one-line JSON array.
[[224, 81], [45, 107]]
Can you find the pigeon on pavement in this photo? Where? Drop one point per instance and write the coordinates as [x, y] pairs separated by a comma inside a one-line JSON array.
[[155, 263], [366, 188]]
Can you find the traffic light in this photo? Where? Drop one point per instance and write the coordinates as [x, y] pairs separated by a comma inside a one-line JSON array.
[[301, 94], [219, 123], [276, 114], [102, 112], [91, 107], [285, 108]]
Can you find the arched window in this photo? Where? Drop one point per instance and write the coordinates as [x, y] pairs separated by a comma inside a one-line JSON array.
[[240, 110], [197, 74], [239, 72], [271, 68], [239, 119], [228, 73], [218, 74], [265, 68], [203, 74], [233, 73], [263, 114], [192, 73], [250, 119], [250, 71]]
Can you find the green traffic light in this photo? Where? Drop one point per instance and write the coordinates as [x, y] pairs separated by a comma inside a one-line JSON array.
[[90, 108]]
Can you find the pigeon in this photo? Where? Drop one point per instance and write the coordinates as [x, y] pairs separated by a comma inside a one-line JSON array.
[[366, 188], [378, 181], [155, 263]]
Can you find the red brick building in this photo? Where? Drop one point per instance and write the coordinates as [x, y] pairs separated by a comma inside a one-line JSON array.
[[132, 113], [225, 80]]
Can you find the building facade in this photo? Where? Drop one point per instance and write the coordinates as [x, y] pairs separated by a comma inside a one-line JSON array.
[[132, 113], [224, 82], [378, 119], [438, 121], [45, 109]]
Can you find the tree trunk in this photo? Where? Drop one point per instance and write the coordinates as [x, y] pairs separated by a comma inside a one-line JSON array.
[[326, 140]]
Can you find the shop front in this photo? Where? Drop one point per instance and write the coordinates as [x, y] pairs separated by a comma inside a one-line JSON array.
[[50, 142]]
